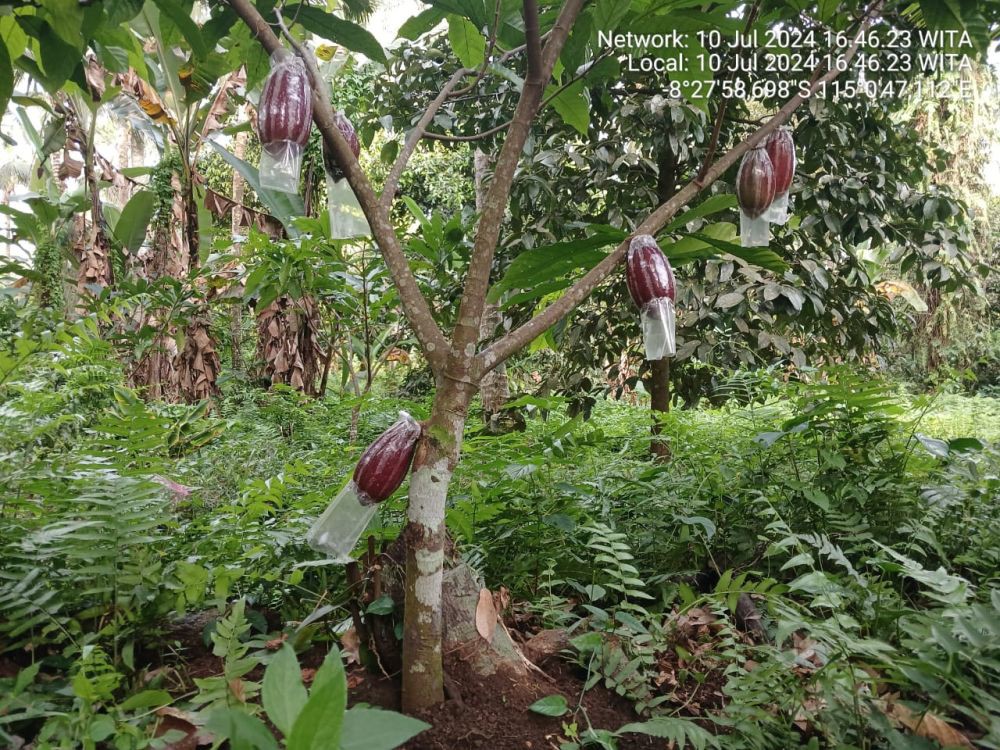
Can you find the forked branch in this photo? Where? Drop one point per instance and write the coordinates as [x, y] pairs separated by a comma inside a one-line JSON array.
[[578, 292], [415, 307], [477, 280]]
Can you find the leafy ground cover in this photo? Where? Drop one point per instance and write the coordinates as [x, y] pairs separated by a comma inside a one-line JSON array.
[[816, 566]]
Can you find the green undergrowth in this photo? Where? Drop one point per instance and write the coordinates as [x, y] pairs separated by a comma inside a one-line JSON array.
[[863, 524]]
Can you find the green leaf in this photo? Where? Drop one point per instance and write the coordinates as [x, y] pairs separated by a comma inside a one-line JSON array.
[[421, 23], [338, 30], [130, 229], [755, 256], [282, 206], [709, 206], [283, 693], [372, 729], [474, 10], [6, 77], [572, 105], [466, 41], [321, 718], [147, 699], [181, 18], [381, 606], [244, 732], [550, 705], [25, 677], [119, 11], [534, 267]]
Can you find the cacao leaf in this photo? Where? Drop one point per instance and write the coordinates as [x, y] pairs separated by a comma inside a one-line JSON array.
[[339, 30], [181, 18], [6, 78], [466, 41], [729, 300], [421, 23], [544, 264], [572, 105], [756, 256], [474, 10], [707, 207]]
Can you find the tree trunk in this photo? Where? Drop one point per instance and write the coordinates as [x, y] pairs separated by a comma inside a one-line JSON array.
[[494, 391], [435, 460], [659, 379], [239, 188], [659, 404]]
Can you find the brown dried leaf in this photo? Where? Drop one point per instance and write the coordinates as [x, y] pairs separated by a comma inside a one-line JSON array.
[[486, 615], [929, 725], [350, 646], [181, 721]]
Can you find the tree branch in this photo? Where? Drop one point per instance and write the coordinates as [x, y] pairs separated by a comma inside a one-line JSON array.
[[477, 280], [413, 138], [578, 292], [415, 307], [717, 128], [504, 125]]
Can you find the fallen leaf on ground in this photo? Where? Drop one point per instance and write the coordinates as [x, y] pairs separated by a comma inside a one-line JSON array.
[[929, 725]]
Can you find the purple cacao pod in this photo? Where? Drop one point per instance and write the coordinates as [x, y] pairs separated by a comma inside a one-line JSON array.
[[781, 150], [384, 464], [284, 112], [755, 182], [347, 130], [647, 271]]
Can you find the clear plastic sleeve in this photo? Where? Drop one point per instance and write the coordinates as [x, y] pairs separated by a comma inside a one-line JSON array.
[[657, 318], [755, 232], [280, 164], [338, 530], [778, 211], [347, 220]]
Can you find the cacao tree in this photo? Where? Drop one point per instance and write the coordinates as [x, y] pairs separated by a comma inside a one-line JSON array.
[[457, 362], [548, 55]]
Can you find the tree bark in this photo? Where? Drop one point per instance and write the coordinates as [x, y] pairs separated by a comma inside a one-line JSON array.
[[659, 403], [494, 391], [435, 460]]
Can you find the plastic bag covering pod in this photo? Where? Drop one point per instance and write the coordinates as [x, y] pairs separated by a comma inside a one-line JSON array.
[[347, 220], [284, 118], [382, 468], [755, 193], [651, 284], [781, 150]]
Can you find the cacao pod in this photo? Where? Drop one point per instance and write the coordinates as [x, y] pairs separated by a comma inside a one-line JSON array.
[[384, 464], [284, 112], [781, 151], [755, 182], [347, 130], [647, 271]]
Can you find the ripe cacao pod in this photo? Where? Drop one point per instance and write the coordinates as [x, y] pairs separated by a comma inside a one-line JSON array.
[[781, 151], [755, 182], [647, 271], [284, 112], [347, 130], [384, 464]]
